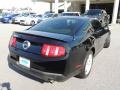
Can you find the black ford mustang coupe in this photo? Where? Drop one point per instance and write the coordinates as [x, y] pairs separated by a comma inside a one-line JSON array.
[[57, 49]]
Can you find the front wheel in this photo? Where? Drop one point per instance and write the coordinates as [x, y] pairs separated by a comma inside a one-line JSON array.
[[10, 21], [32, 23], [88, 62]]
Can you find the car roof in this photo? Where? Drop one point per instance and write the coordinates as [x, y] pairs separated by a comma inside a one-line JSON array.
[[76, 17], [84, 19]]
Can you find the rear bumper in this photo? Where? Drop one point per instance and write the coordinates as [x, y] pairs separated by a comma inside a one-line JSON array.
[[36, 73]]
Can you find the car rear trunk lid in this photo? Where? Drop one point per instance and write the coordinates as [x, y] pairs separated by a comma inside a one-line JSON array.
[[37, 39]]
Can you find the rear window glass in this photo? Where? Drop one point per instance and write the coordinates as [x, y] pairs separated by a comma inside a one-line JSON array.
[[66, 26]]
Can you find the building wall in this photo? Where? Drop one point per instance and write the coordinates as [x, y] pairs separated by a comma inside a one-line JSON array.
[[75, 7], [80, 7], [119, 11]]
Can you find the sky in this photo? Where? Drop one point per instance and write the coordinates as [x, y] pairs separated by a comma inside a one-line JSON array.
[[16, 3], [39, 6]]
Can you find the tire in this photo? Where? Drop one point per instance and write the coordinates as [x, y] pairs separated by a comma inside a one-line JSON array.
[[102, 23], [107, 43], [88, 62], [10, 21], [20, 23], [32, 23]]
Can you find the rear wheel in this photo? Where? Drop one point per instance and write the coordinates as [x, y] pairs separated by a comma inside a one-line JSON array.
[[87, 65]]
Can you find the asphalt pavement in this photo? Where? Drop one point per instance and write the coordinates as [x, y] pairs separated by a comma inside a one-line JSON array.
[[105, 74]]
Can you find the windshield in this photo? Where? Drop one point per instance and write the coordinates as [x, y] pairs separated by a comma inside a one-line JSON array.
[[1, 15], [23, 15], [35, 16], [66, 26], [6, 14], [93, 12], [70, 14], [48, 15]]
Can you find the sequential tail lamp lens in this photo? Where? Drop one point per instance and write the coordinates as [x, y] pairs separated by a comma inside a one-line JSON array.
[[52, 50], [13, 42]]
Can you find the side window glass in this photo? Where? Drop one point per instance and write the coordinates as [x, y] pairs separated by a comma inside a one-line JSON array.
[[90, 30], [96, 25]]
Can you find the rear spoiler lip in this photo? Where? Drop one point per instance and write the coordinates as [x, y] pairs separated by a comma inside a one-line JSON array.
[[22, 32]]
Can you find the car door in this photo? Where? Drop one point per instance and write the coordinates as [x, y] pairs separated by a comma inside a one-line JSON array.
[[100, 34]]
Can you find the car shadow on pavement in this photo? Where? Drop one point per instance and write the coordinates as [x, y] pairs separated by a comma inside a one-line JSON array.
[[27, 75]]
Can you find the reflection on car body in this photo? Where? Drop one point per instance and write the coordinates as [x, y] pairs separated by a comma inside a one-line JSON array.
[[70, 14]]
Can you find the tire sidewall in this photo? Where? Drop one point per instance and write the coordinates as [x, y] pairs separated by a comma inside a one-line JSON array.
[[10, 21], [83, 74], [32, 23]]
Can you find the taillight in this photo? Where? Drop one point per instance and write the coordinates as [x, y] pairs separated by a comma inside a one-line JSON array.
[[13, 42], [52, 50]]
